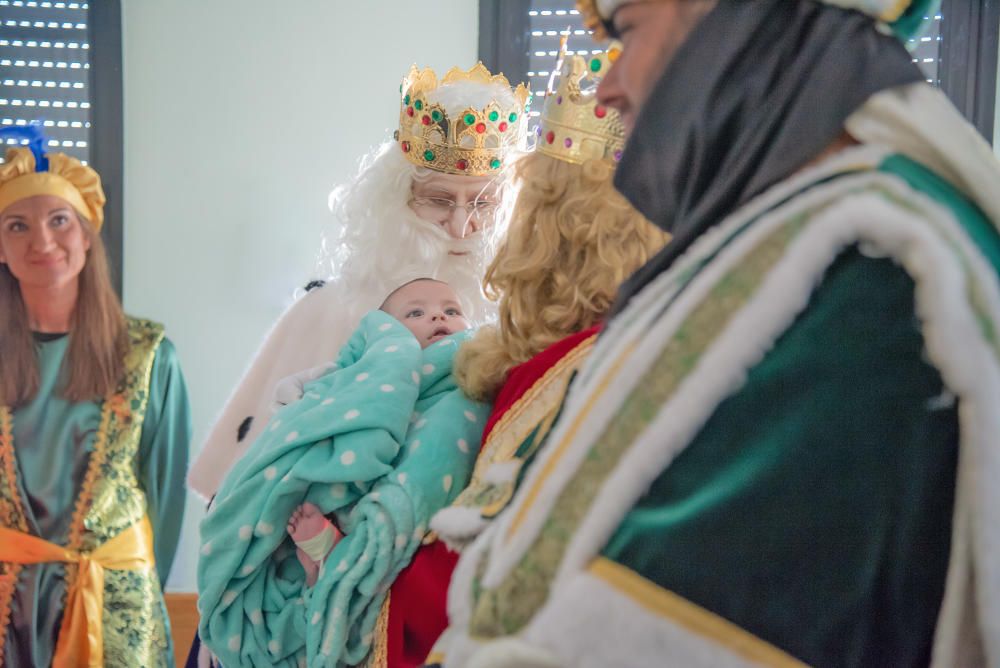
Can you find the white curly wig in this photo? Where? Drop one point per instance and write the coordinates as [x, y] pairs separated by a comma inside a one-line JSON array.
[[376, 242]]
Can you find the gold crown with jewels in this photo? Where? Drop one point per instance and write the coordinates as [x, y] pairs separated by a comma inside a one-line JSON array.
[[574, 127], [473, 144]]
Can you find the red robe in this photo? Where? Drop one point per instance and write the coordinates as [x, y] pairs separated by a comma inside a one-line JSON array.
[[418, 598]]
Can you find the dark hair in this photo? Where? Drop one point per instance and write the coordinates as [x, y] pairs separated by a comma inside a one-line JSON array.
[[415, 280]]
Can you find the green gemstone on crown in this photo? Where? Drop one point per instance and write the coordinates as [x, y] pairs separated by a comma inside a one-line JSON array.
[[512, 117], [595, 65], [494, 115], [429, 155], [469, 119], [495, 163], [418, 105], [406, 99], [436, 115]]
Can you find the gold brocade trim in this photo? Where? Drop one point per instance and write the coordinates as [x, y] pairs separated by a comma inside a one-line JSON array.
[[692, 617], [510, 431], [507, 607], [380, 649], [97, 459], [109, 504], [110, 501], [11, 515], [563, 445], [567, 364]]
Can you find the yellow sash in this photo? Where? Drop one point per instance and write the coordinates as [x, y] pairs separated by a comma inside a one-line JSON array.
[[81, 638]]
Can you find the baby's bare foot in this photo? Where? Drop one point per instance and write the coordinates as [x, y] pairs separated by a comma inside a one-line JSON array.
[[306, 523]]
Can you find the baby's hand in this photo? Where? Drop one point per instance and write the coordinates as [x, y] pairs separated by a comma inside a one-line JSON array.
[[290, 389]]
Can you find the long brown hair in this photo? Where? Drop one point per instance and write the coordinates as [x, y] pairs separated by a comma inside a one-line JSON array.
[[571, 242], [98, 337]]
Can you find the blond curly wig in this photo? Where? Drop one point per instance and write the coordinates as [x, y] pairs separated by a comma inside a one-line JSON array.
[[571, 241]]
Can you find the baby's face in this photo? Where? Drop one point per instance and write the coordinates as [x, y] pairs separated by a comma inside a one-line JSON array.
[[429, 309]]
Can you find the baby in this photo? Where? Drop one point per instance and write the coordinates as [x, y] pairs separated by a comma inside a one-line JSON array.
[[430, 309]]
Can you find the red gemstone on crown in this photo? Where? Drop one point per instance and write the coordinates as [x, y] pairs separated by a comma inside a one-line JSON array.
[[480, 128], [426, 120], [409, 111], [406, 146], [503, 126], [600, 111], [550, 136], [462, 164]]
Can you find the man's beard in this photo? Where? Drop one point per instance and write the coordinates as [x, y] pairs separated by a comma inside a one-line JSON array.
[[398, 247]]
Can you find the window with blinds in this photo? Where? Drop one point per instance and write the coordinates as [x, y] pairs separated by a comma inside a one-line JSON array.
[[45, 71], [548, 19], [926, 50]]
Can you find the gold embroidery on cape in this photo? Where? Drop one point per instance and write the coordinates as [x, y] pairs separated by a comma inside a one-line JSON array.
[[534, 411], [694, 618], [507, 608], [110, 501]]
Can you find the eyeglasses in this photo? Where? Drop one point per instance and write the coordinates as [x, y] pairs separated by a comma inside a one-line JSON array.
[[445, 207]]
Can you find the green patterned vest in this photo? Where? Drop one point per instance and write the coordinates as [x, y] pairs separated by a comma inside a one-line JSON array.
[[136, 631]]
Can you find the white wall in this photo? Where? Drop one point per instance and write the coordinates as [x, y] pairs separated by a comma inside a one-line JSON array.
[[240, 116]]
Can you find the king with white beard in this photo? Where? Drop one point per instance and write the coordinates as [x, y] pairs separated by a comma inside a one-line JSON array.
[[428, 204]]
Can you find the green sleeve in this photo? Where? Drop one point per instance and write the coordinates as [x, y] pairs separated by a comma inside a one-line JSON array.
[[814, 508], [163, 454]]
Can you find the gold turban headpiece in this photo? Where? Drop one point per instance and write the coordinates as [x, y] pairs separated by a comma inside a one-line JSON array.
[[66, 177]]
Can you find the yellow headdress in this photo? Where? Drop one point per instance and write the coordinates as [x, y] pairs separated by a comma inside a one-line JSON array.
[[475, 142], [27, 172], [574, 127]]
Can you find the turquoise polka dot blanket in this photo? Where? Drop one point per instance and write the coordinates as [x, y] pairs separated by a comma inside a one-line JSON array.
[[383, 441]]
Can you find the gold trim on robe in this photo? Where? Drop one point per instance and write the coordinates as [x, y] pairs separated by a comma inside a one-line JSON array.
[[691, 617], [110, 503]]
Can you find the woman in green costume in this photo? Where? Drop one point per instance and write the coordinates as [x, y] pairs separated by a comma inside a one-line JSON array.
[[94, 432]]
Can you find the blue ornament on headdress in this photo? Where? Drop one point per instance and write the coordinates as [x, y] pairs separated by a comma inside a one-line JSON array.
[[37, 141]]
